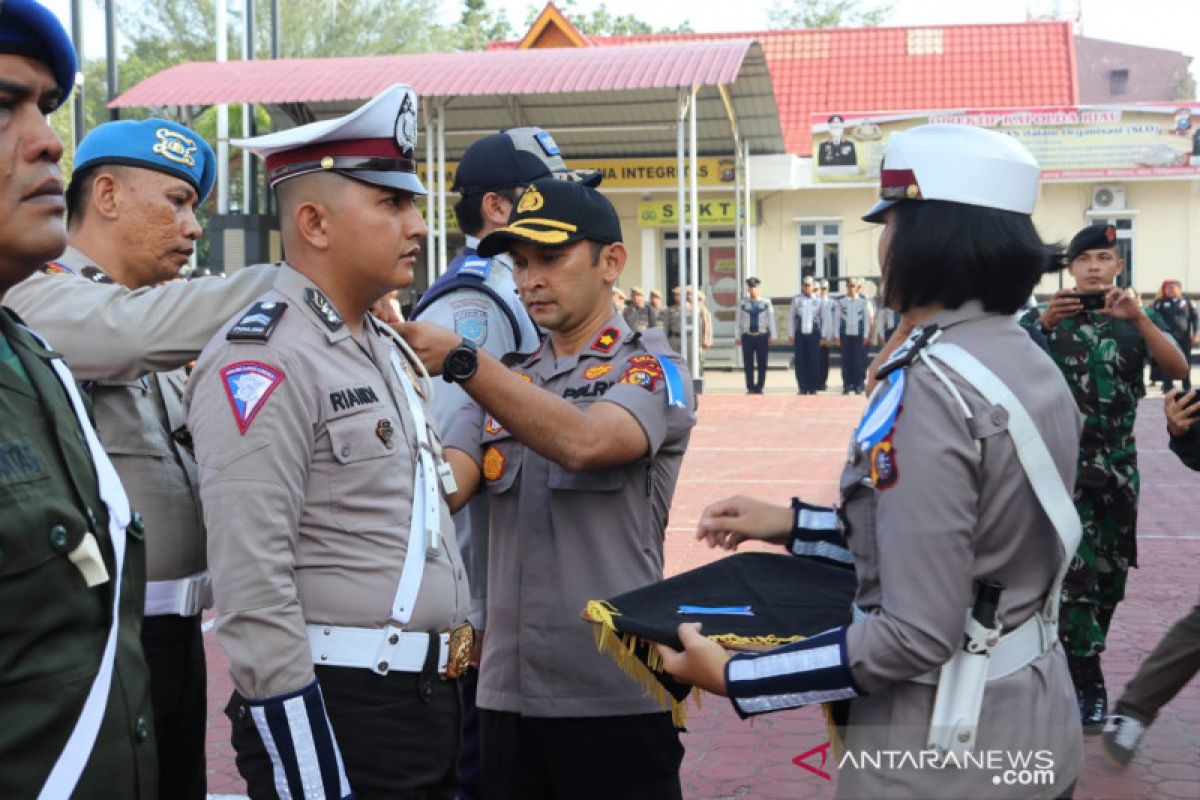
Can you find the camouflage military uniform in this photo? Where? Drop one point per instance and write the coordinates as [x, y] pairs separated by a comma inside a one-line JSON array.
[[1104, 362]]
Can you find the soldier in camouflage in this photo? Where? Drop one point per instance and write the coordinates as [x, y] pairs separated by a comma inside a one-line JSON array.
[[1102, 354]]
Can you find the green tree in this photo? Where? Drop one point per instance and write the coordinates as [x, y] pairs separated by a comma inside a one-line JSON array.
[[1184, 85], [825, 14], [479, 25]]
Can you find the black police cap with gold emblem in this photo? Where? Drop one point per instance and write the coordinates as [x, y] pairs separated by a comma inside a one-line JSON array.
[[555, 213]]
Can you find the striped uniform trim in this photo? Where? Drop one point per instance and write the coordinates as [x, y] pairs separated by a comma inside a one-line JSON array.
[[817, 533], [296, 733], [816, 670]]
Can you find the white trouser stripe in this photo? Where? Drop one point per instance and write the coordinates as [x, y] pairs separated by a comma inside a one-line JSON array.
[[817, 520], [823, 550], [259, 714], [790, 663]]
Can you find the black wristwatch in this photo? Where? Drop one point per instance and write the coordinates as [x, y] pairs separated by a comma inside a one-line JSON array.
[[460, 363]]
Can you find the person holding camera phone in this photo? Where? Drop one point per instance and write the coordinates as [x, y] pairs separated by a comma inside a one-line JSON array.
[[1101, 338], [1176, 658]]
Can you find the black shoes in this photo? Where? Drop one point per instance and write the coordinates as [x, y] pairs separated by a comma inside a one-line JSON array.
[[1090, 691]]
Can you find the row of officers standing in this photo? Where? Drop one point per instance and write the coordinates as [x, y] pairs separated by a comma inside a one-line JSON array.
[[270, 446], [817, 324]]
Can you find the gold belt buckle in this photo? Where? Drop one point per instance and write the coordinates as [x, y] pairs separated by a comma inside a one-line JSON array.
[[462, 639]]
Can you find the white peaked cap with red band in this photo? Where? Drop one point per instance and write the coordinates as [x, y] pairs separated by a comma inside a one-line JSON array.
[[374, 144], [957, 164]]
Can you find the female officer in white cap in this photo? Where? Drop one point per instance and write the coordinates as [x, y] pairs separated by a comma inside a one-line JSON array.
[[963, 493]]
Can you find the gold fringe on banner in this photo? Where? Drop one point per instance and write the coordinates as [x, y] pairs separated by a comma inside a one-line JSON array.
[[639, 658]]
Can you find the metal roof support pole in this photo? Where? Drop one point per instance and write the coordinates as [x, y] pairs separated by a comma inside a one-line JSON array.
[[441, 185], [431, 219], [694, 265], [751, 250], [222, 116], [681, 241]]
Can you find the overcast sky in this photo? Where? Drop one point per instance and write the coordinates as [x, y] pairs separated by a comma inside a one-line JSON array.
[[1170, 24]]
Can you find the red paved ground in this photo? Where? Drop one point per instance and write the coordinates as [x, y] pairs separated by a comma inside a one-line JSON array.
[[778, 445]]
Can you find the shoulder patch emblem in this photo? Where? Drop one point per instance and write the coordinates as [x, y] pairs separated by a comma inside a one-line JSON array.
[[95, 275], [644, 371], [592, 373], [607, 340], [493, 464], [472, 324], [325, 310], [248, 384], [258, 322], [492, 426], [884, 469], [476, 266]]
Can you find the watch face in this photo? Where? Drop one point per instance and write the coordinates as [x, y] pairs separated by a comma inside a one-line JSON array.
[[461, 363]]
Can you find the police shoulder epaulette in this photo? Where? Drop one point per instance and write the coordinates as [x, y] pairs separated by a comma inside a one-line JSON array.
[[476, 266], [905, 353], [257, 324]]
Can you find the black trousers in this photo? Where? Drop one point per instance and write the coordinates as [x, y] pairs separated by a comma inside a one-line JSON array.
[[580, 758], [398, 735], [174, 648], [808, 361], [854, 362], [754, 349], [470, 784], [824, 367]]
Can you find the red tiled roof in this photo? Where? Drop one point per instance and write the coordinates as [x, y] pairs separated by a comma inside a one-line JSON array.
[[706, 63], [846, 70]]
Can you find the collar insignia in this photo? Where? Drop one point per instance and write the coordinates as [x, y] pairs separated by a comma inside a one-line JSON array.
[[607, 339], [174, 146], [325, 310], [95, 275]]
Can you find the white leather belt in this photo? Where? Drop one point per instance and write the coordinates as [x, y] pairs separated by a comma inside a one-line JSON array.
[[1016, 649], [375, 649], [186, 597]]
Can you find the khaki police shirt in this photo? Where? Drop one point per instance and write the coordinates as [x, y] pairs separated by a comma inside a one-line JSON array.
[[135, 420], [309, 507], [944, 503], [110, 333], [560, 538]]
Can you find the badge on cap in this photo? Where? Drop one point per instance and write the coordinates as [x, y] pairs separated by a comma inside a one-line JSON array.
[[248, 384], [174, 146], [406, 123], [532, 200]]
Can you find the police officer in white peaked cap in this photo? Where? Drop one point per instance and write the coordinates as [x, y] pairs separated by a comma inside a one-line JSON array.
[[341, 591], [958, 509]]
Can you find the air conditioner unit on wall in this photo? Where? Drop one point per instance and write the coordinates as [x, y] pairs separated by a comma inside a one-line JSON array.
[[1108, 197]]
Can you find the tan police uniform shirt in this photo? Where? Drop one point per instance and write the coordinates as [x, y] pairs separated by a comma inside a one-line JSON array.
[[136, 414], [307, 482], [108, 332], [949, 505], [561, 538]]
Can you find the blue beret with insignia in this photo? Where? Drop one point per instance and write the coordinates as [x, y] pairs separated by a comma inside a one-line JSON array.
[[156, 144], [28, 28]]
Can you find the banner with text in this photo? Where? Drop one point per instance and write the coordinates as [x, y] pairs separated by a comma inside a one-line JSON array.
[[716, 213], [636, 173], [1070, 143]]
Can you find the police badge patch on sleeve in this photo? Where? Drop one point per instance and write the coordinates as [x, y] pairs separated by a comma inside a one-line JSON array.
[[472, 325], [248, 384]]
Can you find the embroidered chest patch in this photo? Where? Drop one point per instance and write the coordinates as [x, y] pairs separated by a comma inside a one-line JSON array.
[[493, 464], [248, 384], [592, 373], [884, 469]]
